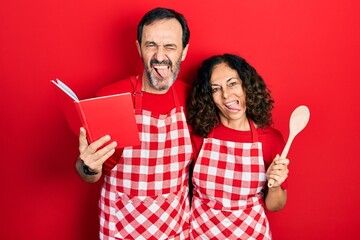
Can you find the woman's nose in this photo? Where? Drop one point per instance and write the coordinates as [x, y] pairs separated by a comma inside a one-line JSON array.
[[225, 93]]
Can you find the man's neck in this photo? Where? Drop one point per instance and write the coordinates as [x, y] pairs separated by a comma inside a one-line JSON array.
[[147, 87]]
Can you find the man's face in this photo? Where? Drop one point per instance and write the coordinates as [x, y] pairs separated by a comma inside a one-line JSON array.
[[162, 53]]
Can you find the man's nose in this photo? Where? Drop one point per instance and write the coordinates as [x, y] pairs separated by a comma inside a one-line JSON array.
[[160, 53]]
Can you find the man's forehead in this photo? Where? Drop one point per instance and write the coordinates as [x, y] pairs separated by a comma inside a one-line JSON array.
[[165, 31]]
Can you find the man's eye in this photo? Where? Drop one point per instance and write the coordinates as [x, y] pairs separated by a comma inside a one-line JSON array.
[[150, 45], [170, 47]]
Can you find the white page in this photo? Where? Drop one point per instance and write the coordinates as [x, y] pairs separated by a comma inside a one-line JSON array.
[[66, 89]]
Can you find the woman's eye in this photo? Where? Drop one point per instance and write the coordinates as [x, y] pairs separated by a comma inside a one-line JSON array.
[[232, 84], [214, 90]]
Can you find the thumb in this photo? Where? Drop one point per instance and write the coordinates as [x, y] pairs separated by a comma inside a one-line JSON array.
[[82, 140]]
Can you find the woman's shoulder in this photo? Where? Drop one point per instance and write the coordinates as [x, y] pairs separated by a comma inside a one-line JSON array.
[[270, 133]]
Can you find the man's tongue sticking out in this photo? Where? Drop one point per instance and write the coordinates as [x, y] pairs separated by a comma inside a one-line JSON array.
[[163, 71]]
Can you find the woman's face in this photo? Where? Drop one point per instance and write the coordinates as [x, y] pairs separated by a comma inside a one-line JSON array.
[[228, 95]]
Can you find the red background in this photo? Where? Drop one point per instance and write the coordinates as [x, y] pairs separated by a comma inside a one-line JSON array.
[[307, 51]]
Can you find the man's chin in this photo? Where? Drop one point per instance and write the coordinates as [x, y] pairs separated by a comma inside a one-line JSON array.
[[162, 83], [161, 87]]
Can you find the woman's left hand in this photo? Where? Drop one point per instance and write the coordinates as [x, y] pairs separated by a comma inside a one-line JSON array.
[[278, 170]]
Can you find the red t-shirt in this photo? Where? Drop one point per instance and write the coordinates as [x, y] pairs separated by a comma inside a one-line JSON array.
[[155, 103], [271, 139]]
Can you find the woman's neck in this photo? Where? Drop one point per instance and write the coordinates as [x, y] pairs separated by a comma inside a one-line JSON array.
[[238, 124]]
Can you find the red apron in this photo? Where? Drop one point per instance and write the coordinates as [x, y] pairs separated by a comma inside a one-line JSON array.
[[146, 194], [228, 179]]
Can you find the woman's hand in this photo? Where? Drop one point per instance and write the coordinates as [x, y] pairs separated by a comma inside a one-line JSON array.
[[278, 171]]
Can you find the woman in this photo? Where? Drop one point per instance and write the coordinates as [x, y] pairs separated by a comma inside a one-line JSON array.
[[237, 152]]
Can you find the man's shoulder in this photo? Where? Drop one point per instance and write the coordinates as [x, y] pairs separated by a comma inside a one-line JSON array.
[[182, 89], [120, 86], [181, 84]]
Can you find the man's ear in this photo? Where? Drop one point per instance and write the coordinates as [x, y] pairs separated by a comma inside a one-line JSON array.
[[138, 47], [184, 52]]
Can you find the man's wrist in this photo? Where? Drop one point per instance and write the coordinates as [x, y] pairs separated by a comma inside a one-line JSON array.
[[86, 169]]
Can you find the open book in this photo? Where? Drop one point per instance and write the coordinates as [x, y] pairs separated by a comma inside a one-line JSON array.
[[109, 115]]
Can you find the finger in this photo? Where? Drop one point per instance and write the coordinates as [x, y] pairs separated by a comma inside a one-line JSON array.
[[277, 157], [271, 183], [99, 155], [279, 175], [277, 180], [283, 161], [279, 172], [94, 146], [279, 167], [83, 143], [106, 156]]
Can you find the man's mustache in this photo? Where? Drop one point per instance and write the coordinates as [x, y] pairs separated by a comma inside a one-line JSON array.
[[164, 62]]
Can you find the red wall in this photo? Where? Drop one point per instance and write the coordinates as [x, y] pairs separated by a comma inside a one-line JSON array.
[[307, 51]]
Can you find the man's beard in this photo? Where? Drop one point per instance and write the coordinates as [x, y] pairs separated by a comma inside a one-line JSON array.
[[154, 81]]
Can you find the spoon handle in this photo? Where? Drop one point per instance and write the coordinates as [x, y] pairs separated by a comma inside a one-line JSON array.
[[287, 147], [282, 156]]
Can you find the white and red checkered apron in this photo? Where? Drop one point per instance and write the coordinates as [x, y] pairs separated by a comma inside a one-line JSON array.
[[228, 179], [146, 194]]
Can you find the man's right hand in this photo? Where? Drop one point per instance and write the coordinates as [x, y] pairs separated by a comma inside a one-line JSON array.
[[92, 156]]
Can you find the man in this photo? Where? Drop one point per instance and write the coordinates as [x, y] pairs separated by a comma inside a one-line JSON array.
[[145, 190]]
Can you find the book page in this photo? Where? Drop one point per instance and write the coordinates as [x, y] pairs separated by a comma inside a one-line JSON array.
[[66, 89]]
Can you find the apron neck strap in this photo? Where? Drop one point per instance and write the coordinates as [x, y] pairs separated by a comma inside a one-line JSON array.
[[138, 94], [137, 84], [254, 134]]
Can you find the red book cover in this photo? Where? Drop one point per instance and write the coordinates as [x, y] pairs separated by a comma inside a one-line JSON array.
[[109, 115]]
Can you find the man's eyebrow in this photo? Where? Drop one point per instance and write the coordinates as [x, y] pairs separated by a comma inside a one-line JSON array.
[[165, 45], [150, 42]]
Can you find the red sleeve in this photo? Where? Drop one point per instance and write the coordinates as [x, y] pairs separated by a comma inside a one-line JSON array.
[[272, 143]]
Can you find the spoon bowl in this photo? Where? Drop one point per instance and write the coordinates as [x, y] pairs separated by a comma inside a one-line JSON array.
[[298, 121]]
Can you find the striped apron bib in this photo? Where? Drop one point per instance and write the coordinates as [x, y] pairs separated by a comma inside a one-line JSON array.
[[146, 194], [228, 179]]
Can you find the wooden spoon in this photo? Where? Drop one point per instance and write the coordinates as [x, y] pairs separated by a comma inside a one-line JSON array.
[[298, 120]]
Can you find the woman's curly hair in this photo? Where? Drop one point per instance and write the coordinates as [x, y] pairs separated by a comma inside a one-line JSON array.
[[202, 112]]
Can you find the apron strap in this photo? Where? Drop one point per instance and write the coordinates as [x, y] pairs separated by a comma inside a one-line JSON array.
[[254, 134], [137, 84], [138, 94]]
